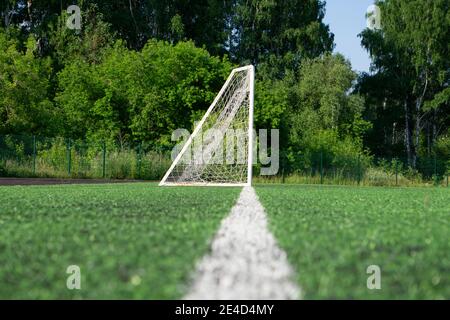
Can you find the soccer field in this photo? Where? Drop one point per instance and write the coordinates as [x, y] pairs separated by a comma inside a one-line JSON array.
[[129, 240], [143, 241], [332, 234]]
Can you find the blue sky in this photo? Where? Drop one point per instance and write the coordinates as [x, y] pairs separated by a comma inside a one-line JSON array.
[[347, 18]]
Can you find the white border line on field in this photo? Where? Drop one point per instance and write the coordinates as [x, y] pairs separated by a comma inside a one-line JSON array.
[[245, 261]]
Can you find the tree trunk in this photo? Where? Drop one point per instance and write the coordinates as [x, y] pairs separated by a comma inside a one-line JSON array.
[[29, 4], [417, 129], [134, 21], [419, 102], [434, 135], [408, 137]]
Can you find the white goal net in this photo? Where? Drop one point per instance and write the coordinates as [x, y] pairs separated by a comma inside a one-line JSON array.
[[219, 151]]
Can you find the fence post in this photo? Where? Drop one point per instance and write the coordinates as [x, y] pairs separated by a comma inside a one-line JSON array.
[[435, 171], [139, 159], [34, 154], [358, 171], [321, 167], [69, 156], [447, 178], [104, 160]]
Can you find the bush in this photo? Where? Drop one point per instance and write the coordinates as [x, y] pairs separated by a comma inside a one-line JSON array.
[[139, 95], [325, 152], [2, 169]]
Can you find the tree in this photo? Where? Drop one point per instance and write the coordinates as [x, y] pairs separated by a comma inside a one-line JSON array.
[[249, 31], [24, 89], [279, 33], [134, 21], [139, 95], [315, 113], [90, 43], [114, 80], [411, 67]]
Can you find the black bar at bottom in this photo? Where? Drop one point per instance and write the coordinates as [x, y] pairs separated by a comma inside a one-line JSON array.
[[142, 309]]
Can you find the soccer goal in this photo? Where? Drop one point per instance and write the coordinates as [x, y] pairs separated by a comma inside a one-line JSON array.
[[220, 150]]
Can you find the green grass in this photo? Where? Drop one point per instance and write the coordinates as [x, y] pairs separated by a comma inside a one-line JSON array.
[[332, 234], [130, 240], [141, 241]]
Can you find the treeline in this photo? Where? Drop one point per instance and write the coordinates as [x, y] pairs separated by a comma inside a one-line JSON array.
[[408, 92], [139, 69]]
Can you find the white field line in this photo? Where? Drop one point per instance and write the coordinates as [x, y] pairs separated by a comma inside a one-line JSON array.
[[245, 261]]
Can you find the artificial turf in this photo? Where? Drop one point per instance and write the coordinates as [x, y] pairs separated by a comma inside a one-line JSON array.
[[141, 241], [129, 240], [332, 234]]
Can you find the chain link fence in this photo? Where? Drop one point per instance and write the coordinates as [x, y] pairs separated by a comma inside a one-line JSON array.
[[34, 156], [325, 168]]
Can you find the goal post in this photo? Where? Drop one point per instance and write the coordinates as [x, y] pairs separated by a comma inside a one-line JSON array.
[[219, 152]]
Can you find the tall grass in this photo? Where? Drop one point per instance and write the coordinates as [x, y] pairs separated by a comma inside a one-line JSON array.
[[22, 156], [373, 176], [128, 164], [58, 160]]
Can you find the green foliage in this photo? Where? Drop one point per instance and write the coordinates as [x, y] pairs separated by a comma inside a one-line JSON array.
[[324, 89], [136, 21], [52, 158], [135, 72], [316, 113], [24, 85], [139, 95], [408, 90], [99, 89], [325, 154], [442, 146], [177, 27], [279, 34], [272, 101], [442, 150], [89, 43]]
